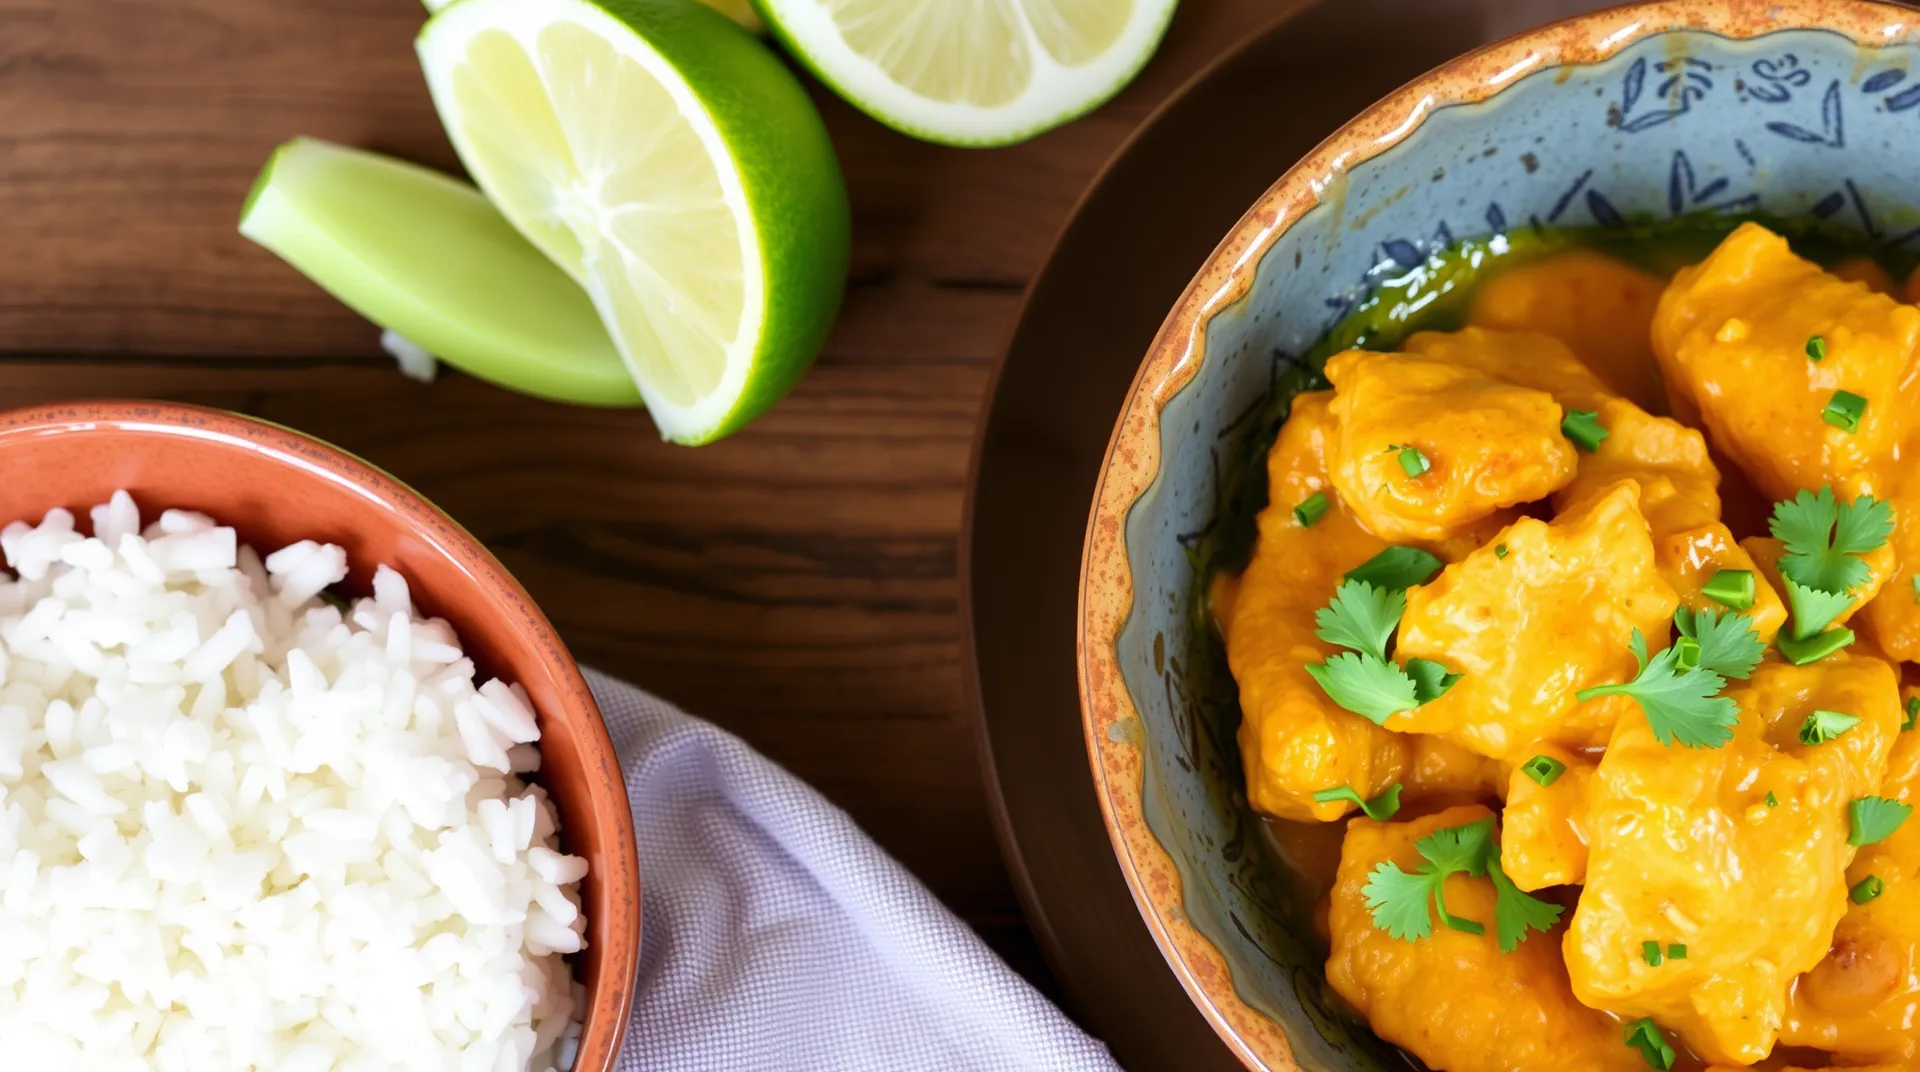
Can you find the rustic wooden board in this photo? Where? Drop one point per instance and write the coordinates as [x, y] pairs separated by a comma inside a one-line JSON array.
[[795, 584]]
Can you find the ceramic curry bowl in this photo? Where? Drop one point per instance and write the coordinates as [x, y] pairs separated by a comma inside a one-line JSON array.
[[276, 486], [1805, 109]]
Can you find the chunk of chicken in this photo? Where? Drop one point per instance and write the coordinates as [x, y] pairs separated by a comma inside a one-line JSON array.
[[1679, 486], [1893, 616], [1732, 335], [1486, 445], [1524, 359], [1690, 559], [1544, 840], [1863, 1001], [1684, 848], [1599, 306], [1530, 628], [1293, 739], [1453, 999]]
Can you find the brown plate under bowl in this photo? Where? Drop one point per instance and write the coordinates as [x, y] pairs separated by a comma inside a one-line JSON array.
[[276, 487]]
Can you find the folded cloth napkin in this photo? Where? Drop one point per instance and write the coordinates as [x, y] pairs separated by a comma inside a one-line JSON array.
[[776, 935]]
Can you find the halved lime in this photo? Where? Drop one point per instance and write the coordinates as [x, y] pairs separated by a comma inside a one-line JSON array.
[[972, 72], [671, 164], [425, 256]]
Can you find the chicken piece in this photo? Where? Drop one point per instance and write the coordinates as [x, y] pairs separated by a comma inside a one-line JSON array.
[[1575, 589], [1689, 559], [1544, 838], [1679, 486], [1766, 551], [1732, 334], [1524, 359], [1293, 739], [1487, 444], [1601, 307], [1863, 1001], [1453, 999], [1893, 616], [1865, 270], [1684, 848]]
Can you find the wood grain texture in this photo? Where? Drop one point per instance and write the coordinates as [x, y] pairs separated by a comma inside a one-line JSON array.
[[795, 584]]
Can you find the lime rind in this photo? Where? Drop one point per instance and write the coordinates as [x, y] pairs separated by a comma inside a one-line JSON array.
[[1058, 93], [427, 257]]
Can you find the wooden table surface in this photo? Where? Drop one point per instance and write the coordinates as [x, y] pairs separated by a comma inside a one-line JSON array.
[[795, 584]]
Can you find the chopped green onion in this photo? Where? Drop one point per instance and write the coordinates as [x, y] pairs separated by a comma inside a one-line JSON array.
[[1544, 769], [1686, 654], [1413, 462], [1816, 348], [1383, 807], [1676, 951], [1874, 819], [1823, 726], [1866, 889], [1501, 552], [1650, 952], [1644, 1035], [1916, 588], [1731, 588], [1584, 428], [1844, 410], [1913, 714], [1818, 646], [1311, 509], [1772, 801]]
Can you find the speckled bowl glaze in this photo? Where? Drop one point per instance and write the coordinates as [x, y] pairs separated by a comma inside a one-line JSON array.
[[276, 487], [1794, 107]]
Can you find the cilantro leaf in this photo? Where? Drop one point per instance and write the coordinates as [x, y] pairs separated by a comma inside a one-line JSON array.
[[1682, 706], [1431, 680], [1813, 609], [1728, 644], [1645, 1035], [1382, 807], [1398, 901], [1458, 848], [1396, 567], [1823, 726], [1370, 687], [1874, 819], [1516, 912], [1824, 538], [1361, 617]]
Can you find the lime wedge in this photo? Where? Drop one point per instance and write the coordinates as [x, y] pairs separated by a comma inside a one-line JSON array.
[[972, 72], [671, 164], [426, 257], [740, 11]]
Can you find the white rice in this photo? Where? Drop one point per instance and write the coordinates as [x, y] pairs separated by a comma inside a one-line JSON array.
[[241, 829]]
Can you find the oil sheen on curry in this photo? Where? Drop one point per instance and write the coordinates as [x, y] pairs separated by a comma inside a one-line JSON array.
[[1581, 628]]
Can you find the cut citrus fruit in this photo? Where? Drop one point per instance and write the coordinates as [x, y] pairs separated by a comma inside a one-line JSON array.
[[426, 257], [972, 72], [740, 11], [671, 164]]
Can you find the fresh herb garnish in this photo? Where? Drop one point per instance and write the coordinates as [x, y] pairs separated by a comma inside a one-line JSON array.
[[1915, 585], [1500, 551], [1813, 610], [1772, 801], [1363, 680], [1311, 509], [1844, 411], [1731, 588], [1819, 646], [1824, 538], [1729, 646], [1584, 428], [1650, 952], [1399, 899], [1816, 349], [1676, 951], [1396, 567], [1874, 819], [1383, 807], [1644, 1035], [1866, 889], [1823, 726], [1681, 705], [1361, 618], [1543, 769], [1912, 714], [1413, 461]]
